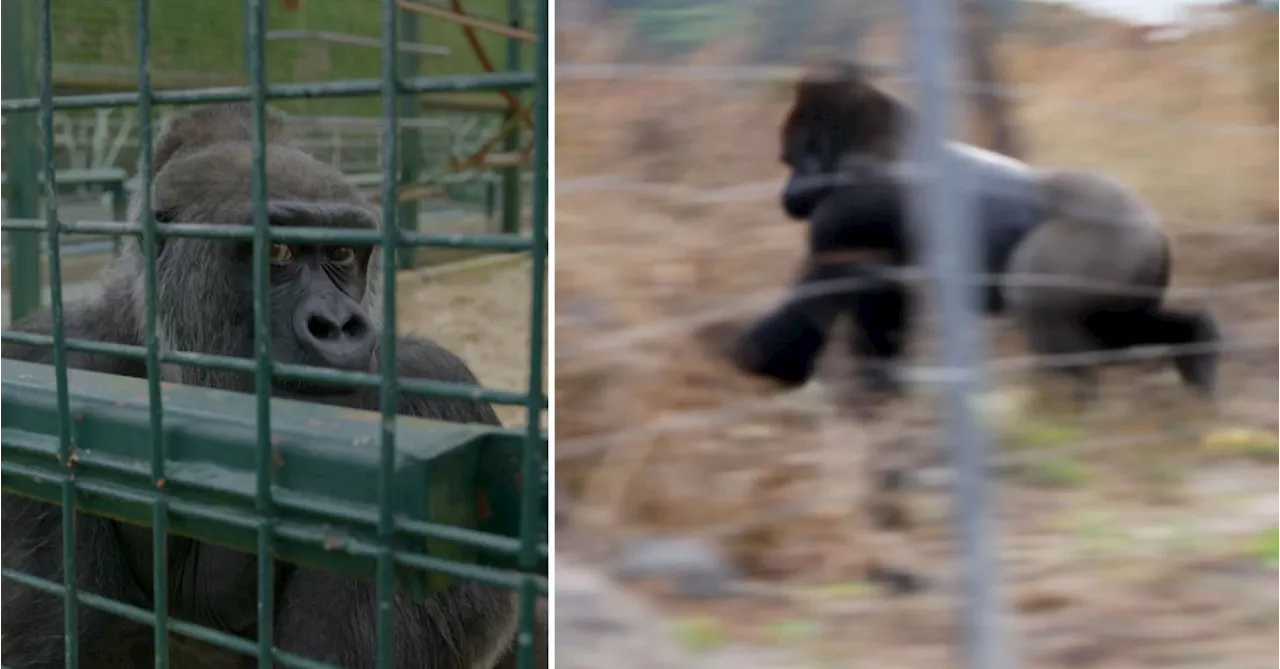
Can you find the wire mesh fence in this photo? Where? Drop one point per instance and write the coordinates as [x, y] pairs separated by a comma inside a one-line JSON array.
[[189, 482], [715, 520]]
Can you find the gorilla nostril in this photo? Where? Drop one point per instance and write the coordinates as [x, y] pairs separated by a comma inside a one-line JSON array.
[[322, 328], [355, 327]]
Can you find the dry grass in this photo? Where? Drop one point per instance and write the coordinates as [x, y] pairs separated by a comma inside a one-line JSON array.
[[482, 314], [772, 478]]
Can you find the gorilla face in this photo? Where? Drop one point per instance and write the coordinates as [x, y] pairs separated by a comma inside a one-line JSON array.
[[322, 311]]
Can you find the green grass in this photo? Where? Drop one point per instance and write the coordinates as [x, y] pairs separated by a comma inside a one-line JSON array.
[[95, 40], [1266, 547], [700, 633]]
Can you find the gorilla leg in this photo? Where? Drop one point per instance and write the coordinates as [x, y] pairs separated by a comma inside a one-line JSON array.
[[1054, 333], [32, 625], [880, 319], [1146, 327]]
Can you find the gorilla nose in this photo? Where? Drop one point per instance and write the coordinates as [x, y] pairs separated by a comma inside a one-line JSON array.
[[336, 331]]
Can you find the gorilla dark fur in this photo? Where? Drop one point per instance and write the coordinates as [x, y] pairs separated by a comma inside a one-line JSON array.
[[324, 311], [1090, 259]]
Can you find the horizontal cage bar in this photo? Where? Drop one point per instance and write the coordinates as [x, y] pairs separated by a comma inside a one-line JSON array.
[[336, 89]]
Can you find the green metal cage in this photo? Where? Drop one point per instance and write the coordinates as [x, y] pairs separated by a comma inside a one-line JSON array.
[[313, 484]]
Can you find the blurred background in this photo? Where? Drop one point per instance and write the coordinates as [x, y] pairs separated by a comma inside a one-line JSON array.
[[465, 164], [705, 522]]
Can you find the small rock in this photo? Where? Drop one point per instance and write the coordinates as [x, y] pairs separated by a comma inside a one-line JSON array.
[[691, 567]]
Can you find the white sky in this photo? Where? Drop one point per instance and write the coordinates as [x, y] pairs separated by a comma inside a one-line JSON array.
[[1145, 11]]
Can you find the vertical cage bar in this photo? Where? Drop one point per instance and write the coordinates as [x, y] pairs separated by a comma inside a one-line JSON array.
[[256, 19], [531, 463], [943, 197], [119, 201], [389, 390], [71, 636], [511, 142], [410, 137], [160, 508], [20, 161]]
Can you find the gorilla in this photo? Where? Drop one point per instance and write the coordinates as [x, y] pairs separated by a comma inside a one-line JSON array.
[[324, 311], [1082, 262]]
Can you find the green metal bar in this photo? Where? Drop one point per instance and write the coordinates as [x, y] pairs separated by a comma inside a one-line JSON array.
[[120, 211], [511, 142], [20, 160], [85, 177], [388, 395], [410, 137], [71, 627], [424, 387], [490, 203], [531, 467], [328, 89], [150, 251], [499, 243], [257, 23]]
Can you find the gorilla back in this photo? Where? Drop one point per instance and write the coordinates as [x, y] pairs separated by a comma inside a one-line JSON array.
[[324, 312]]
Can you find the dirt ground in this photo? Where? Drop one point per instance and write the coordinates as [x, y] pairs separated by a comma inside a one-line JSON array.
[[1141, 534], [480, 310]]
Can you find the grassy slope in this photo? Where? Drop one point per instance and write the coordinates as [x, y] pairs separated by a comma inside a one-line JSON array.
[[95, 38]]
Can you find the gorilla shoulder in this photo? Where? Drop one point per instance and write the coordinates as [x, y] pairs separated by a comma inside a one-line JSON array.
[[422, 358]]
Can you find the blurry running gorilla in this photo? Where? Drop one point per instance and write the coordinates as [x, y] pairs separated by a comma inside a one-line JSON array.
[[1078, 259], [324, 311]]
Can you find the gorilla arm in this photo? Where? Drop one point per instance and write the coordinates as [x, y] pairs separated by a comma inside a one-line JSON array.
[[108, 319], [467, 625], [854, 236]]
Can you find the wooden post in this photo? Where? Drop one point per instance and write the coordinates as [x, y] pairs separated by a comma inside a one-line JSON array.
[[994, 116]]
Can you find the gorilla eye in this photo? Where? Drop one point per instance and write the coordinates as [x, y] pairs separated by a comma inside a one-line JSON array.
[[281, 253], [342, 254]]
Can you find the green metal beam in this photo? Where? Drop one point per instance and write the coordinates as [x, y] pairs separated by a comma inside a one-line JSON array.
[[410, 138], [324, 473]]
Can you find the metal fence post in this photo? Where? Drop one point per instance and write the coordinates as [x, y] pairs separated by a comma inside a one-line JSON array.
[[410, 136], [119, 212], [511, 142], [943, 198], [23, 191]]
